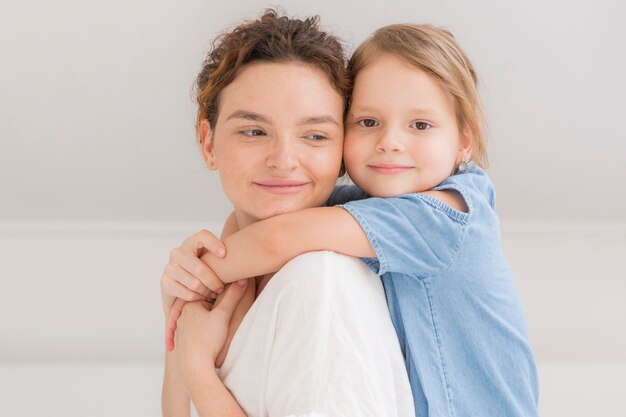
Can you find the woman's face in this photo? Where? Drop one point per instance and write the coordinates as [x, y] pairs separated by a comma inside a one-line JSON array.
[[278, 139]]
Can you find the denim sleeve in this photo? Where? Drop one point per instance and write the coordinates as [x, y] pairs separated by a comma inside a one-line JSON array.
[[344, 193], [413, 234]]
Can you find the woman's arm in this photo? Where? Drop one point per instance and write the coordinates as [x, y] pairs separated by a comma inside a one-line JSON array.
[[266, 246], [174, 397], [211, 398], [200, 337], [230, 227]]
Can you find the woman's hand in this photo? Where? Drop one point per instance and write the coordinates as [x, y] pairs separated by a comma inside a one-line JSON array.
[[201, 332], [186, 276]]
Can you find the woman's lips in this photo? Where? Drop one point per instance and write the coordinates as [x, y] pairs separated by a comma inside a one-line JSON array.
[[389, 169], [280, 186]]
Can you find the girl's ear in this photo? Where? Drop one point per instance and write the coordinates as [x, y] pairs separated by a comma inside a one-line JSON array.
[[206, 142], [466, 141]]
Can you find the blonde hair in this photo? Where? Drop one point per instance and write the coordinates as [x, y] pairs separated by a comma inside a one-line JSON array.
[[434, 51]]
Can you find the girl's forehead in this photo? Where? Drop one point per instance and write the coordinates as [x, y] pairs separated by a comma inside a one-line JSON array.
[[392, 82]]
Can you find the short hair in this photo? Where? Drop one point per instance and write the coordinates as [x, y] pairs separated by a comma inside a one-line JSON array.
[[270, 38]]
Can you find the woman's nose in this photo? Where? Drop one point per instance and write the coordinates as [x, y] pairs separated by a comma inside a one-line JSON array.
[[283, 154], [389, 141]]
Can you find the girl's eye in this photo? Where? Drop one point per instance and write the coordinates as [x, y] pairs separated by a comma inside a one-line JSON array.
[[421, 125], [252, 132], [367, 123], [316, 137]]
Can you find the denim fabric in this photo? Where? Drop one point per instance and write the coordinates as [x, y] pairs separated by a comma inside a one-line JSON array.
[[452, 300]]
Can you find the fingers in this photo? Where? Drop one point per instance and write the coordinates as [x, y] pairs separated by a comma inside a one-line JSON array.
[[175, 312], [198, 274], [207, 240], [171, 287], [185, 266], [188, 277], [231, 298]]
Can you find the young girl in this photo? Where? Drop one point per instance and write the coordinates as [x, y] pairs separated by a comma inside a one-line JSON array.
[[425, 222]]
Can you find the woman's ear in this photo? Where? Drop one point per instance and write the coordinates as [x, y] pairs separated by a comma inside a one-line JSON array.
[[206, 143]]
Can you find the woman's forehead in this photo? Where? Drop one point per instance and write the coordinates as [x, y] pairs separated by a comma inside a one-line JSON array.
[[279, 90]]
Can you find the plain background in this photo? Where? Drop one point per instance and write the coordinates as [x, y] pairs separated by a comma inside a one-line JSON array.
[[100, 176]]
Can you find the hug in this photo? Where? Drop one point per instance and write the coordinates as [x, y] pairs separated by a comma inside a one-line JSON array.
[[388, 297]]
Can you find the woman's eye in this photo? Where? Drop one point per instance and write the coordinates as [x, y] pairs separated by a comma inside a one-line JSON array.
[[316, 137], [367, 123], [253, 132], [421, 125]]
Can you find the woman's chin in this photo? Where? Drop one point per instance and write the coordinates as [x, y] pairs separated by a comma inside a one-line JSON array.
[[282, 207]]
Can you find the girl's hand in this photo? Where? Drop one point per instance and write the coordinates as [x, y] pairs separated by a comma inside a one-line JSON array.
[[201, 332], [186, 276]]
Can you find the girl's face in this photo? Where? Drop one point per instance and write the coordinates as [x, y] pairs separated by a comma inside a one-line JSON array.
[[277, 140], [401, 134]]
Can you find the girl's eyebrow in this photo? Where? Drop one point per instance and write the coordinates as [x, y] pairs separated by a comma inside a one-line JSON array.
[[362, 108], [422, 111]]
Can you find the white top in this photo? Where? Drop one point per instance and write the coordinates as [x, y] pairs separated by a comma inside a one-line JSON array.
[[319, 341]]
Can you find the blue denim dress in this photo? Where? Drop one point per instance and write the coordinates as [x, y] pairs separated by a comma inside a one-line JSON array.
[[452, 299]]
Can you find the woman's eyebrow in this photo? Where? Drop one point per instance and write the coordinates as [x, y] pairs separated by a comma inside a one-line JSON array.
[[316, 120], [247, 115]]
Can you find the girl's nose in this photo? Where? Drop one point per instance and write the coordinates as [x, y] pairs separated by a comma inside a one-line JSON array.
[[389, 141]]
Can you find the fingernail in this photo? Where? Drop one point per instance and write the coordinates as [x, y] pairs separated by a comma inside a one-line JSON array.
[[221, 252], [220, 290], [242, 282]]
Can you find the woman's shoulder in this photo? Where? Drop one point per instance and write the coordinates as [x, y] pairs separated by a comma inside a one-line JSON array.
[[313, 271], [322, 257], [323, 263]]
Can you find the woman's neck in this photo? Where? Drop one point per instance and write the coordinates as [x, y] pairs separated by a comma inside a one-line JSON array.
[[245, 220], [261, 282]]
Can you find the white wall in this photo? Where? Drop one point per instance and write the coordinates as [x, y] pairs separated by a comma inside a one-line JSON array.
[[90, 291], [83, 329], [96, 119]]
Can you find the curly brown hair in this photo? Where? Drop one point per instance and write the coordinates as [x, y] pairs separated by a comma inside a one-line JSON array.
[[271, 38]]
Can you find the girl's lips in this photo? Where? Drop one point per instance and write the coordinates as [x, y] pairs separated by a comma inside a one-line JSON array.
[[280, 186], [390, 169]]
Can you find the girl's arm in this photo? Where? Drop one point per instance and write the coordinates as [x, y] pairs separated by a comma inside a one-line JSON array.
[[267, 245]]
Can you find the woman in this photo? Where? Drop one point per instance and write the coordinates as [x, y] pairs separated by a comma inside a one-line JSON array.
[[318, 339]]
